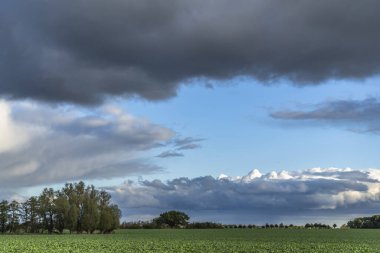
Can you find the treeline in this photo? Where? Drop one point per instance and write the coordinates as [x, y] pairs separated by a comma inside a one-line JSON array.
[[318, 225], [283, 226], [212, 225], [76, 208], [176, 219], [365, 222], [170, 219], [154, 225]]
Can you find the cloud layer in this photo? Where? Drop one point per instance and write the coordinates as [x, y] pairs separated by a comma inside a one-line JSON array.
[[12, 135], [358, 115], [318, 190], [62, 144], [84, 51], [179, 145]]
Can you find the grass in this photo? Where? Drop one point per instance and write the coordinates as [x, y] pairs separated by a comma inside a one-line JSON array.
[[218, 240]]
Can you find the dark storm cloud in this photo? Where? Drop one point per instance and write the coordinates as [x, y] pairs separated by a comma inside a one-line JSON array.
[[84, 51], [362, 115], [284, 193]]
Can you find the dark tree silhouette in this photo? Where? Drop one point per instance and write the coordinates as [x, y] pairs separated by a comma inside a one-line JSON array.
[[172, 219]]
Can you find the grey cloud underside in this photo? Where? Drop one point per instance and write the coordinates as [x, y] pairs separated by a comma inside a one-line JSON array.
[[285, 193], [84, 51], [179, 145], [167, 154], [187, 143], [362, 115]]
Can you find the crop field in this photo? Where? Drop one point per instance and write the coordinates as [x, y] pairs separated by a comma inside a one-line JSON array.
[[181, 240]]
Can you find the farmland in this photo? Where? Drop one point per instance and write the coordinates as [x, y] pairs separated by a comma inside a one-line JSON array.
[[218, 240]]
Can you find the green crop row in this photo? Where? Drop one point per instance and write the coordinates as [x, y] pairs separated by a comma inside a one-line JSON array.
[[227, 240]]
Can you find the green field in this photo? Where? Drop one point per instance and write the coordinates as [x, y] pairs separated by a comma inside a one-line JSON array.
[[217, 240]]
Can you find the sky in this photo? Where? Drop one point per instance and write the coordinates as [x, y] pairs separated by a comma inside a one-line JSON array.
[[244, 112]]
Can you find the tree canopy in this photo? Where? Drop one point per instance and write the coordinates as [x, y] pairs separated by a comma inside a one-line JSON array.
[[76, 207], [172, 219], [365, 222]]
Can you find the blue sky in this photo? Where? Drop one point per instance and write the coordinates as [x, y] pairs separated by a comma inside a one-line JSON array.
[[154, 101], [239, 135]]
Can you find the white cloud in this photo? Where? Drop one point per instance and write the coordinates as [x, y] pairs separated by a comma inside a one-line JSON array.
[[12, 136], [51, 145], [252, 175], [374, 174], [278, 193]]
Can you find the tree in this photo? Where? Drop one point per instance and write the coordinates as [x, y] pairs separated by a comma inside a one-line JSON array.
[[14, 216], [116, 215], [365, 222], [61, 209], [71, 220], [33, 206], [25, 215], [109, 214], [75, 207], [46, 208], [79, 192], [172, 219], [4, 209], [90, 210], [334, 225]]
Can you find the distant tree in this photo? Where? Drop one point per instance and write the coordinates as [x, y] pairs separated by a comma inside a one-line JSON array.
[[71, 220], [365, 222], [172, 219], [30, 215], [109, 214], [79, 196], [116, 215], [25, 216], [334, 226], [46, 209], [14, 216], [61, 207], [375, 219], [4, 209], [90, 210]]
